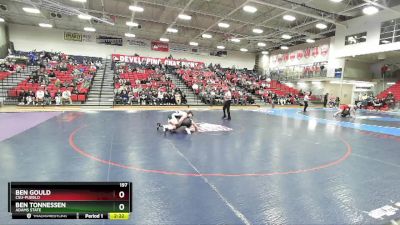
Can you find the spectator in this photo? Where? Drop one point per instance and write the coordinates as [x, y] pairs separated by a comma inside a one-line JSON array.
[[66, 96], [124, 97], [58, 83], [390, 100], [337, 101], [326, 96], [22, 97], [75, 90], [178, 97], [47, 97], [132, 98], [160, 96], [52, 75], [40, 96], [30, 98], [195, 87]]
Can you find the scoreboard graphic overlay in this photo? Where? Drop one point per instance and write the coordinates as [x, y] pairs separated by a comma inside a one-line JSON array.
[[70, 200]]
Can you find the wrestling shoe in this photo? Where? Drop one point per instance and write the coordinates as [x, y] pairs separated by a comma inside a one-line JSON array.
[[165, 130], [188, 131], [158, 126]]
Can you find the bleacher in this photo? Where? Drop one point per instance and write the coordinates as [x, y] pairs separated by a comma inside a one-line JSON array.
[[4, 75], [63, 76], [139, 84], [278, 88], [133, 76], [395, 89]]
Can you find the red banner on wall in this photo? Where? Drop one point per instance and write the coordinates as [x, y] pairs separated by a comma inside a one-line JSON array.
[[156, 61], [159, 46]]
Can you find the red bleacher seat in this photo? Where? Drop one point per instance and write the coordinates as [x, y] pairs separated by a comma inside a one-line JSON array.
[[81, 97]]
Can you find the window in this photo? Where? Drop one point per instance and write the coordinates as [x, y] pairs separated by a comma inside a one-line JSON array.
[[390, 32], [356, 38]]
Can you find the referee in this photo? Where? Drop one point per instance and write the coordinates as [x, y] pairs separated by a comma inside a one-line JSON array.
[[227, 104], [306, 99]]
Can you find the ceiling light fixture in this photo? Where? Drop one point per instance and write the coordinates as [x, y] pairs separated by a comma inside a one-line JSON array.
[[31, 10], [83, 1], [136, 8], [131, 24], [257, 31], [236, 40], [184, 17], [192, 43], [244, 50], [164, 39], [370, 10], [45, 25], [221, 47], [265, 52], [84, 17], [223, 25], [321, 26], [261, 44], [206, 35], [310, 41], [1, 20], [286, 36], [283, 47], [89, 29], [130, 35], [336, 1], [289, 18], [249, 9], [172, 30]]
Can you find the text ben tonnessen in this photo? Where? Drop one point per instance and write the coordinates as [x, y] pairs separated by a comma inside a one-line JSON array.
[[37, 206]]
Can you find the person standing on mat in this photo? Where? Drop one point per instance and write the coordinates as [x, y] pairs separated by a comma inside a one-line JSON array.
[[227, 104], [306, 99], [326, 99]]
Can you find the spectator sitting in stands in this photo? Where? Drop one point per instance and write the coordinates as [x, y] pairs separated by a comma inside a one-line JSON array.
[[178, 97], [143, 97], [377, 103], [3, 66], [124, 97], [47, 97], [75, 90], [18, 69], [58, 97], [166, 99], [132, 98], [58, 83], [390, 100], [40, 96], [62, 66], [52, 75], [184, 100], [66, 84], [66, 96], [160, 97], [34, 77], [22, 97], [30, 98]]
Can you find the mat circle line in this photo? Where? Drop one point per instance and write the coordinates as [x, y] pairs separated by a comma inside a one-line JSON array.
[[77, 149]]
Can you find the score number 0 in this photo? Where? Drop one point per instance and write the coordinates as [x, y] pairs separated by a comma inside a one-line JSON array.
[[121, 194]]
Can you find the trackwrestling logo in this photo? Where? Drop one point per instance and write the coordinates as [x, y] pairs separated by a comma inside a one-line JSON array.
[[209, 127]]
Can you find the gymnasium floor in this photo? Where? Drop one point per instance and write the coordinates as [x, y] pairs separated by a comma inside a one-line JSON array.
[[274, 167]]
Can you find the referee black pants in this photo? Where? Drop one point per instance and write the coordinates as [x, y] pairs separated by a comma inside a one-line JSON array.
[[305, 105], [227, 107]]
